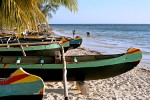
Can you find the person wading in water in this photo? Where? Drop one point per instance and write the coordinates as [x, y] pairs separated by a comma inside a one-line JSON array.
[[73, 32]]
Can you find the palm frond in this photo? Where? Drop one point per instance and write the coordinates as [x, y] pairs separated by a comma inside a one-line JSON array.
[[25, 14], [22, 14]]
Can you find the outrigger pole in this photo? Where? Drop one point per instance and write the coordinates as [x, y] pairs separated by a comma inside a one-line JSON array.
[[64, 74], [21, 47]]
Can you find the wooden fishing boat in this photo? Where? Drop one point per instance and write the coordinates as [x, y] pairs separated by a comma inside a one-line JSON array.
[[79, 68], [73, 43], [21, 85], [47, 46], [37, 48], [76, 42]]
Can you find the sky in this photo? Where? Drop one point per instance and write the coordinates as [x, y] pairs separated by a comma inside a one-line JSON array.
[[105, 12]]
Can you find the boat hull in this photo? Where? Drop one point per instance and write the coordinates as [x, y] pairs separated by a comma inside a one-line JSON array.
[[22, 97], [38, 50], [77, 74], [21, 85], [76, 42], [87, 67]]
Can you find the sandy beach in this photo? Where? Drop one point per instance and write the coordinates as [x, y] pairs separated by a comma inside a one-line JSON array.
[[132, 85], [107, 27]]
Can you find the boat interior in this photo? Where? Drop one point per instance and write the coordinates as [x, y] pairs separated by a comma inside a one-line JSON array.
[[53, 59]]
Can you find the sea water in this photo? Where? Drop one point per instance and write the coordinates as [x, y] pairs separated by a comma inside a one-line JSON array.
[[110, 38]]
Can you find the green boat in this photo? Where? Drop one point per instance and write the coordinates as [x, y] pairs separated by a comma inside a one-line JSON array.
[[76, 42], [73, 43], [79, 68], [21, 85], [37, 48]]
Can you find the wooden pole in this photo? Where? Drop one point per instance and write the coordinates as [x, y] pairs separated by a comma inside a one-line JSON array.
[[23, 52], [52, 38], [8, 39], [64, 74]]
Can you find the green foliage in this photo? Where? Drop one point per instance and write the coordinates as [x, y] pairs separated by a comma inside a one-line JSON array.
[[27, 14]]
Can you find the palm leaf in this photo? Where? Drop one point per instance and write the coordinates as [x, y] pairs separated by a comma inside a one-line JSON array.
[[21, 14], [25, 14]]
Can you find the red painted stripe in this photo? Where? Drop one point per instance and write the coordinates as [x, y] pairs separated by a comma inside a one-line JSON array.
[[13, 79], [138, 61], [63, 41], [78, 37], [5, 65], [41, 91], [137, 50]]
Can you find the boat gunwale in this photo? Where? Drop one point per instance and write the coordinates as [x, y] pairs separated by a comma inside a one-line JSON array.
[[105, 62]]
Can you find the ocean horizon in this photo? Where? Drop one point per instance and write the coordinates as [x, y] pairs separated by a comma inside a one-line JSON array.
[[110, 38]]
